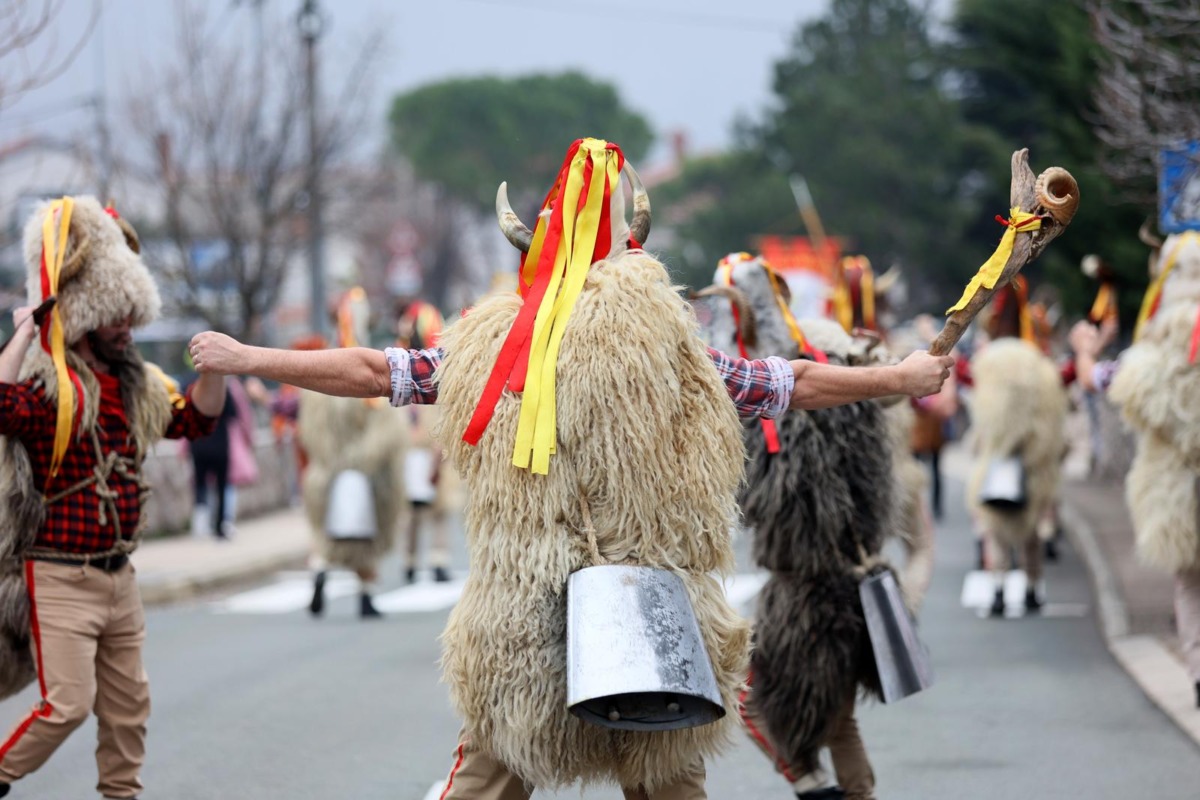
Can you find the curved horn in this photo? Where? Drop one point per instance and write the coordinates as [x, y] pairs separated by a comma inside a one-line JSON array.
[[131, 237], [1058, 193], [1148, 238], [639, 228], [517, 232], [747, 325], [78, 253], [885, 282]]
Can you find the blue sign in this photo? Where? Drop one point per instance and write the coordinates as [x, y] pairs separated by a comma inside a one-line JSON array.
[[1179, 189]]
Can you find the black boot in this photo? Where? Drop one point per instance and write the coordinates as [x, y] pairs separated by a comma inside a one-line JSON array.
[[997, 609], [1033, 603], [441, 575], [410, 574], [980, 559], [828, 793], [1197, 702], [1052, 549], [4, 787], [317, 606], [367, 609]]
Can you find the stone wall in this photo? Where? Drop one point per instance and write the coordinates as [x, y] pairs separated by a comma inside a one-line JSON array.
[[169, 470]]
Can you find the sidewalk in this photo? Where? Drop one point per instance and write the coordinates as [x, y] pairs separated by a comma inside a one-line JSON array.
[[1135, 602], [181, 567]]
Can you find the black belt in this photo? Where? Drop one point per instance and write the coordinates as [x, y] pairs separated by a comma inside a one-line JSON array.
[[107, 563]]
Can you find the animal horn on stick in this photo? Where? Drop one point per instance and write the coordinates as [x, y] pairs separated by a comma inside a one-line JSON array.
[[1054, 196]]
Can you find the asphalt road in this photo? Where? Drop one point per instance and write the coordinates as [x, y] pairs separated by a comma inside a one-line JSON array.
[[270, 704]]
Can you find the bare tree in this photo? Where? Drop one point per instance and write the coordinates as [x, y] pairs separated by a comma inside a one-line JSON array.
[[30, 55], [225, 147], [1149, 88]]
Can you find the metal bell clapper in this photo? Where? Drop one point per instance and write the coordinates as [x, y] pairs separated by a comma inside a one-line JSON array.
[[1004, 484], [900, 656], [635, 657], [351, 510]]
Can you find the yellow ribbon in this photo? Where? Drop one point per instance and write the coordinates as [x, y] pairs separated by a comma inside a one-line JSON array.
[[866, 290], [55, 244], [843, 308], [537, 429], [989, 273], [1104, 304], [788, 317], [1156, 286]]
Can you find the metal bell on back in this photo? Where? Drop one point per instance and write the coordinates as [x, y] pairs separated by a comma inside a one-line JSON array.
[[635, 657], [900, 656], [350, 513], [1004, 484]]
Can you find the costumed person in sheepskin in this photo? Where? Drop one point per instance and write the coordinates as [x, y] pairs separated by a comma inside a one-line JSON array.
[[1156, 383], [860, 306], [590, 425], [818, 496], [1018, 417], [344, 438], [79, 410], [426, 477]]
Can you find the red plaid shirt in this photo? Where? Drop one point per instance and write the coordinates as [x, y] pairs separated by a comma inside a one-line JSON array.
[[758, 388], [73, 523]]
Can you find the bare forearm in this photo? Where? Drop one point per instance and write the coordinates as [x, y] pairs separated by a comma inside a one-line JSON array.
[[1085, 370], [208, 394], [825, 385], [348, 372]]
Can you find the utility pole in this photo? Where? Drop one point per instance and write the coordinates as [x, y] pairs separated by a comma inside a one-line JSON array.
[[310, 22]]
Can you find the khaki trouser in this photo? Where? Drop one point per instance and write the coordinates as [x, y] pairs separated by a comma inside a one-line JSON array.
[[846, 750], [88, 628], [1187, 618], [478, 776]]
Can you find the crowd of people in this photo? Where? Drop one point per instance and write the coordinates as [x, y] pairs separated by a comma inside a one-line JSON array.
[[591, 427]]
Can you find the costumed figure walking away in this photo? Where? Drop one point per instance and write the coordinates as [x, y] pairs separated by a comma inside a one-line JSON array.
[[1156, 383], [426, 477], [590, 426], [353, 482], [818, 495], [79, 410], [1018, 418]]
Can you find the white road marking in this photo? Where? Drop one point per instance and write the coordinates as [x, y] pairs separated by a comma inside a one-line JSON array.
[[435, 791], [287, 595], [292, 592], [979, 587]]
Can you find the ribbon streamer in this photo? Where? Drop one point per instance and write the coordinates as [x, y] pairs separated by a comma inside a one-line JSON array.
[[54, 245], [990, 272]]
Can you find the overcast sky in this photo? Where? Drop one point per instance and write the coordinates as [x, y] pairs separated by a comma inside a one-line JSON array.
[[693, 65]]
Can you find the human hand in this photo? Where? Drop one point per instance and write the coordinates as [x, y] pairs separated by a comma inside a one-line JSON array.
[[1085, 339], [1108, 332], [217, 354], [922, 374]]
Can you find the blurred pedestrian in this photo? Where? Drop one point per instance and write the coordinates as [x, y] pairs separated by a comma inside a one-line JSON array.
[[79, 411], [210, 471]]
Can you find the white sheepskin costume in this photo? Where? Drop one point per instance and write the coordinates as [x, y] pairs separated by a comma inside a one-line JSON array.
[[648, 436]]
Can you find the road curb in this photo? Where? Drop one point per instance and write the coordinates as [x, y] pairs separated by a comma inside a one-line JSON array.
[[177, 590], [1161, 676]]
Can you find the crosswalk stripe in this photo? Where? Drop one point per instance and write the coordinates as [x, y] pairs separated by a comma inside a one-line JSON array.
[[292, 592], [979, 587], [435, 791]]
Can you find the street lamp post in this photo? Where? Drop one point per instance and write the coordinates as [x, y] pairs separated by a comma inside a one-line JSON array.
[[310, 23]]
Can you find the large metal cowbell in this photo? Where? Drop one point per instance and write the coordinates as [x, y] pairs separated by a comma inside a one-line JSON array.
[[900, 656], [635, 657], [351, 510], [1004, 484]]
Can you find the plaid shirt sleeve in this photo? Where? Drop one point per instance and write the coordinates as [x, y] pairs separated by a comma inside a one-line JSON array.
[[21, 409], [412, 375], [759, 387], [186, 421]]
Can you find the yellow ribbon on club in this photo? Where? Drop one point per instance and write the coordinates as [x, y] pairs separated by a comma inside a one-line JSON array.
[[54, 251], [537, 428], [989, 273], [1103, 306]]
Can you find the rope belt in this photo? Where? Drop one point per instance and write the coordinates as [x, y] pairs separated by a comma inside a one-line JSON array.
[[107, 464]]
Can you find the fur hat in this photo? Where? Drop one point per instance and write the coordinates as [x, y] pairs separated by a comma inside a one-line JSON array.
[[103, 279]]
